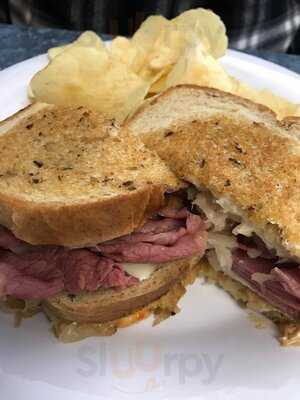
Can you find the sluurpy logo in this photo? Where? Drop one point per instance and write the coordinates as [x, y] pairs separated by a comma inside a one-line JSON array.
[[149, 364]]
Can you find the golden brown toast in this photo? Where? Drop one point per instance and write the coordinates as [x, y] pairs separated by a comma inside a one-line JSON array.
[[236, 149], [69, 177]]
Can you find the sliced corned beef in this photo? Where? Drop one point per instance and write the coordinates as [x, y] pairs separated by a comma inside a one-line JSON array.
[[38, 275], [279, 284], [180, 234], [38, 272]]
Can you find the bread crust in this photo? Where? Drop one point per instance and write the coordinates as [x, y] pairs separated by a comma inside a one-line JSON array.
[[234, 148], [107, 305], [42, 213], [268, 113], [82, 224]]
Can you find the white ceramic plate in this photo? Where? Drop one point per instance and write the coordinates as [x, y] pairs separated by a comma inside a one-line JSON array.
[[211, 350]]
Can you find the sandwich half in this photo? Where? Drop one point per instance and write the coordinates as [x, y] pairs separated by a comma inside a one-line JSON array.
[[244, 167], [93, 226]]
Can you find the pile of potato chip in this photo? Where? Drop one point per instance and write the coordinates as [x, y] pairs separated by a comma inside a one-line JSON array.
[[116, 79]]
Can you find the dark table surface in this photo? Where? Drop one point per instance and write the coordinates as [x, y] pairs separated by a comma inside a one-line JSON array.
[[19, 43]]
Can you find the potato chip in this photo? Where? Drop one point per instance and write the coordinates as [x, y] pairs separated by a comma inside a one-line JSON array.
[[281, 106], [157, 65], [148, 65], [124, 49], [165, 41], [157, 37], [91, 77], [162, 53], [199, 68], [159, 85], [55, 51], [30, 93], [87, 39], [90, 39], [205, 27], [150, 31]]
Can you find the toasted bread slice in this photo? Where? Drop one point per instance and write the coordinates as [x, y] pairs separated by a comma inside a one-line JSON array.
[[110, 304], [162, 305], [67, 177], [234, 148]]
